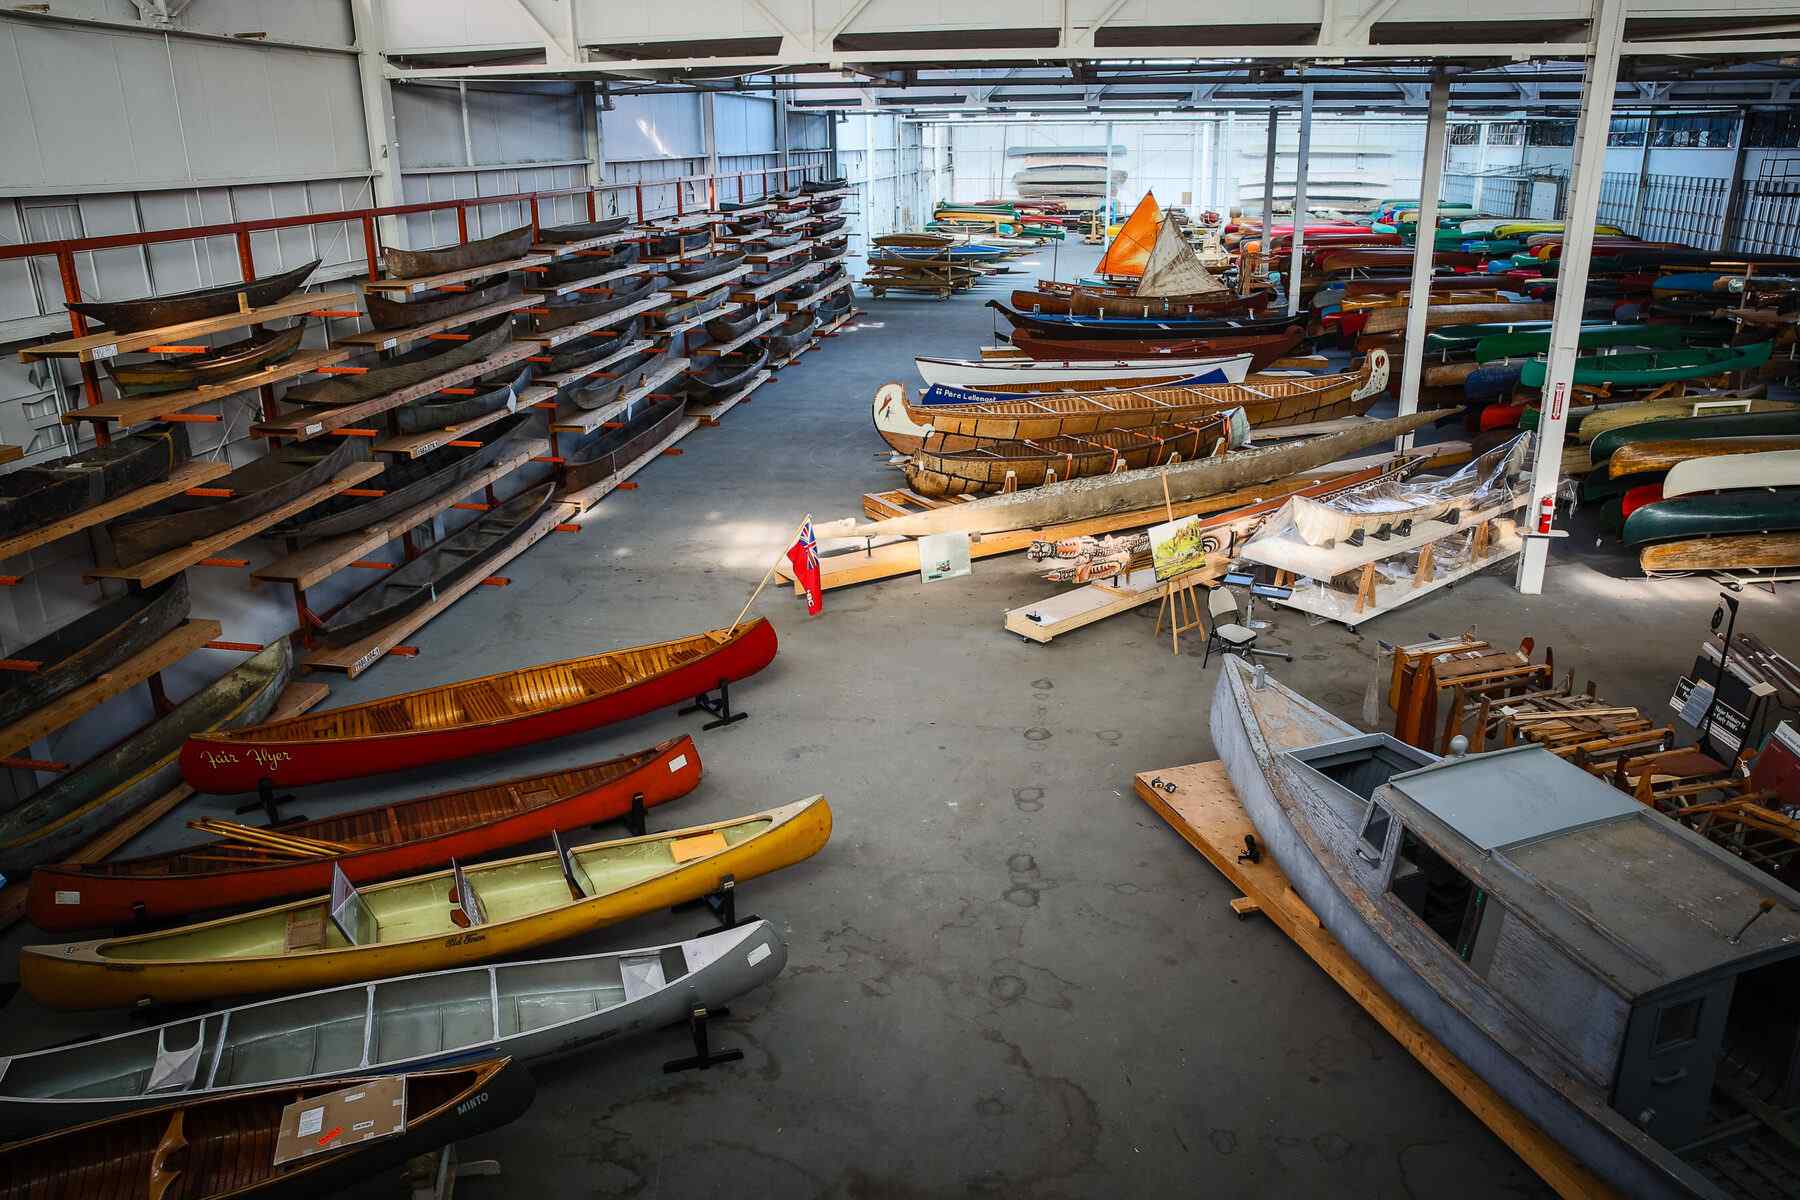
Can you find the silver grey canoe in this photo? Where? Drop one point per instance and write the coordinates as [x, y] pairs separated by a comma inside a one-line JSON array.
[[529, 1010]]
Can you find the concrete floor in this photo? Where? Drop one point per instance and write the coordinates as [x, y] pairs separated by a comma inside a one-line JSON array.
[[1007, 976]]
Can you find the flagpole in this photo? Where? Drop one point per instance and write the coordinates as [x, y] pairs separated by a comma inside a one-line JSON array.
[[767, 575]]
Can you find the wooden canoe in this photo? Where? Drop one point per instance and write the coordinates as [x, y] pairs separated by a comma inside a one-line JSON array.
[[589, 263], [92, 798], [222, 1147], [687, 310], [384, 375], [957, 466], [1639, 412], [728, 372], [1655, 367], [1768, 468], [1263, 349], [582, 231], [1393, 320], [1268, 403], [36, 495], [559, 314], [90, 645], [1642, 457], [390, 840], [388, 312], [411, 925], [1103, 302], [730, 329], [477, 716], [1153, 328], [1727, 425], [1732, 552], [592, 347], [148, 376], [603, 387], [153, 312], [589, 458], [1023, 376], [416, 264]]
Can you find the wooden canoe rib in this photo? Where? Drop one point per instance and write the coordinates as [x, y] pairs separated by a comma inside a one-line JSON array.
[[1643, 457], [91, 644], [415, 264], [389, 313], [37, 495], [493, 391], [390, 840], [153, 312], [148, 376], [225, 1146], [936, 471], [1732, 552], [477, 716], [384, 375], [589, 458], [530, 901], [63, 815]]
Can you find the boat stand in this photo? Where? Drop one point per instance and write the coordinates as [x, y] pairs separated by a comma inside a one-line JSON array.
[[434, 1176], [722, 904], [269, 804], [634, 820], [704, 1058], [719, 708]]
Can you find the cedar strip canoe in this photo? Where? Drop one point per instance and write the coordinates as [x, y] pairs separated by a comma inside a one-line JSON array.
[[91, 645], [386, 312], [35, 496], [1732, 552], [384, 375], [1262, 348], [225, 1146], [153, 312], [589, 458], [495, 390], [1660, 456], [149, 376], [392, 839], [409, 925], [477, 716], [960, 466], [415, 264]]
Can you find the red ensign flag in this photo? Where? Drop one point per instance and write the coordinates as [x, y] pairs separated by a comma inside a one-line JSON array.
[[804, 555]]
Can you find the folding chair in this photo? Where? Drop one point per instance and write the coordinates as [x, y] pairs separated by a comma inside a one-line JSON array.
[[1226, 634]]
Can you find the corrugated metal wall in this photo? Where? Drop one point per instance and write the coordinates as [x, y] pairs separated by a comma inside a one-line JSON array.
[[885, 159]]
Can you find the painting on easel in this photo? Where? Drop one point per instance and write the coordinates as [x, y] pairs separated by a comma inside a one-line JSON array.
[[1178, 548]]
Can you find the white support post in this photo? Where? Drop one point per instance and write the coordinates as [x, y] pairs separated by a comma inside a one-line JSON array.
[[1193, 192], [1107, 183], [1643, 173], [709, 136], [1431, 180], [591, 140], [1606, 30], [1301, 151], [378, 119], [1267, 249], [1224, 143]]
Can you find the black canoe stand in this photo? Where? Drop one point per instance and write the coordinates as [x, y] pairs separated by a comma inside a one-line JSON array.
[[720, 708], [704, 1056], [722, 903], [269, 804]]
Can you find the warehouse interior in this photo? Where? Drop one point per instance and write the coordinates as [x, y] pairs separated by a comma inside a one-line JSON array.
[[1043, 495]]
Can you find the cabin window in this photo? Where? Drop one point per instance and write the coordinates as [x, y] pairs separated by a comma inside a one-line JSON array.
[[1676, 1025], [1438, 894], [1375, 829]]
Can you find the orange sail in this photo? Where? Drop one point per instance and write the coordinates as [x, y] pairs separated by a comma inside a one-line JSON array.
[[1131, 249]]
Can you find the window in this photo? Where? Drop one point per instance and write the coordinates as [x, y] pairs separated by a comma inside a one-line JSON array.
[[1677, 1024], [1699, 132], [1438, 894], [1550, 133], [1465, 134], [1772, 130], [1506, 133], [1375, 829], [1628, 131]]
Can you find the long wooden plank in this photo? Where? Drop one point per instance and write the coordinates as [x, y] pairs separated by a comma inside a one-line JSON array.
[[172, 562], [687, 291], [768, 256], [1069, 610], [391, 339], [425, 283], [563, 379], [190, 474], [806, 302], [592, 494], [412, 445], [570, 419], [312, 420], [709, 414], [619, 316], [576, 285], [1204, 809], [759, 294], [307, 566], [359, 656], [173, 646], [97, 347], [694, 322], [139, 409]]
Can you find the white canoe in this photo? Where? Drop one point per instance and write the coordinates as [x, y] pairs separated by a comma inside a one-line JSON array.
[[1727, 472], [1082, 375]]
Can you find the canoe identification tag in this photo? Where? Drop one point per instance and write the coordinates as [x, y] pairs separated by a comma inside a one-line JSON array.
[[761, 952], [675, 764], [68, 897], [102, 353]]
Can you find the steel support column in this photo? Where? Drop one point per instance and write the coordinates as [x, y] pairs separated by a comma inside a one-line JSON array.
[[1266, 252], [1106, 183], [1431, 181], [1606, 31], [1302, 150], [378, 118]]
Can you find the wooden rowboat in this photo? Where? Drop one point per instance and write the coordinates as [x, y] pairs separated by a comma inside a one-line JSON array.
[[477, 716], [416, 924], [153, 312], [92, 798], [1642, 457], [148, 376], [416, 264], [209, 1149], [386, 841], [957, 466], [1732, 552], [1769, 468], [1268, 403], [36, 495], [383, 375], [389, 313], [90, 645], [529, 1011]]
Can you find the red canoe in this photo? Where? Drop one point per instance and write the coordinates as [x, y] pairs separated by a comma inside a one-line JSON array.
[[476, 716], [391, 839]]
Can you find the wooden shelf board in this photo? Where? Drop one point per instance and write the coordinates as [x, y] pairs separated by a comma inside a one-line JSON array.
[[758, 295], [570, 419], [564, 249], [390, 339], [412, 445], [563, 289], [173, 646], [1073, 608], [793, 222], [425, 283], [666, 225], [569, 333], [737, 213], [768, 256], [312, 420], [136, 410], [563, 379], [305, 567], [593, 493], [718, 408], [688, 291], [716, 349], [794, 306], [1338, 606], [10, 453], [96, 347], [359, 656], [188, 475], [173, 562], [695, 322]]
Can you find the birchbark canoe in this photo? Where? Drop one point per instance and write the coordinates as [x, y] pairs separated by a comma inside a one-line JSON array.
[[66, 814], [604, 387], [959, 466], [153, 312], [288, 471], [90, 645], [1642, 457], [1733, 552], [404, 926], [588, 458], [210, 1149], [1263, 349], [1713, 514], [384, 375], [149, 376], [416, 264], [35, 496], [477, 716], [389, 839], [581, 231], [1025, 375], [387, 312], [1768, 468], [1729, 425], [495, 390]]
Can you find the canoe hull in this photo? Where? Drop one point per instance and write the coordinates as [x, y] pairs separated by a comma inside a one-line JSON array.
[[590, 459], [388, 313], [415, 264], [38, 495], [1078, 376], [150, 376], [1263, 349], [1767, 468], [1757, 510], [152, 312], [93, 643], [1734, 552]]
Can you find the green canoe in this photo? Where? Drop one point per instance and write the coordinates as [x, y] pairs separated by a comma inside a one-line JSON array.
[[1518, 345], [1454, 338], [1758, 510], [1662, 366], [1682, 429]]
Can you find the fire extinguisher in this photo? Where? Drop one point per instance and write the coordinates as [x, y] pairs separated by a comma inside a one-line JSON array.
[[1546, 513]]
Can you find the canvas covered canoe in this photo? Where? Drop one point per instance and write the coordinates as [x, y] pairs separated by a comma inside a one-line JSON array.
[[434, 570], [148, 376], [34, 496], [529, 1011], [405, 926], [565, 311], [288, 471], [1656, 367], [387, 840], [387, 312], [153, 312], [219, 1147], [727, 372], [581, 231], [493, 391], [1783, 422], [477, 716], [1591, 337], [603, 388], [62, 816], [1640, 458], [383, 375], [1712, 514], [93, 643], [417, 264], [591, 457]]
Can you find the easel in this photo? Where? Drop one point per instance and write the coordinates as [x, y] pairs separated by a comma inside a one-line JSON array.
[[434, 1176], [1181, 602]]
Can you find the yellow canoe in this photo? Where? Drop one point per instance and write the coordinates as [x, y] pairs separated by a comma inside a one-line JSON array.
[[412, 925], [1513, 229]]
